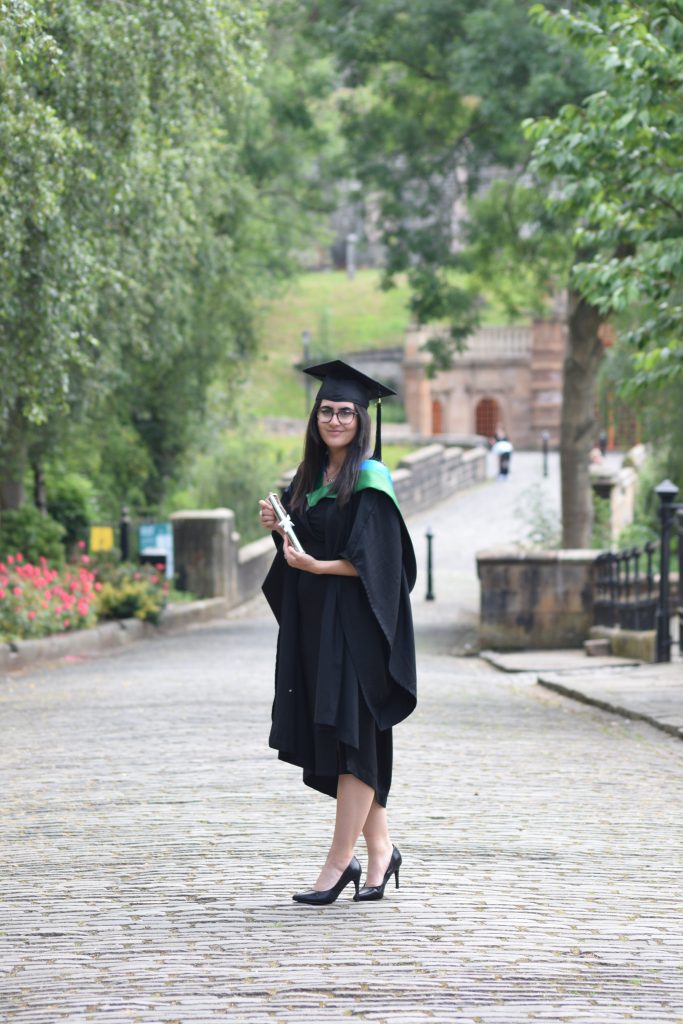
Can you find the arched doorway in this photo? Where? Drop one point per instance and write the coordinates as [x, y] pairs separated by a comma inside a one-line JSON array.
[[487, 417], [437, 416]]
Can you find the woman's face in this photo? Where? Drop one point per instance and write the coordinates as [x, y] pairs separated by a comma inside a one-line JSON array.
[[337, 424]]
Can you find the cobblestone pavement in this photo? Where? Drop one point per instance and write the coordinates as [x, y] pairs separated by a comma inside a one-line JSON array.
[[150, 843]]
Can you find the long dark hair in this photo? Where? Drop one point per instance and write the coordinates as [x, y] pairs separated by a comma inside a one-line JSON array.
[[315, 455]]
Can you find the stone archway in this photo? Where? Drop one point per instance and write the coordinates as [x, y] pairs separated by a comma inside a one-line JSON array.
[[487, 417]]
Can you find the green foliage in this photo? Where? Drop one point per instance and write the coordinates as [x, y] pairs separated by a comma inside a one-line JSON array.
[[32, 534], [240, 466], [540, 527], [435, 91], [70, 503], [614, 166], [131, 591], [602, 523], [155, 178]]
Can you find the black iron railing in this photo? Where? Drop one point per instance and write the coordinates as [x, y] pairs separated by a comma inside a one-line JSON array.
[[626, 594], [635, 589]]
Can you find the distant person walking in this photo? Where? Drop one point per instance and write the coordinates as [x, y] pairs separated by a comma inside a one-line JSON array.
[[503, 448], [345, 669]]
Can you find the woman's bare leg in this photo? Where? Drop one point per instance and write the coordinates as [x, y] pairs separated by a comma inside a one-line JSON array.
[[376, 834], [354, 800]]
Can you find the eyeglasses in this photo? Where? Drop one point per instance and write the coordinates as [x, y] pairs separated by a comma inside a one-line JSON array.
[[345, 416]]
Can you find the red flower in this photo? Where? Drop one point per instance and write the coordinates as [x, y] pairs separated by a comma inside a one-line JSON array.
[[16, 590], [98, 586], [82, 607], [10, 559], [66, 623], [32, 615], [2, 595], [20, 557], [81, 545]]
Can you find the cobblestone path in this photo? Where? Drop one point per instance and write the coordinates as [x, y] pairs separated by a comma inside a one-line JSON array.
[[150, 843]]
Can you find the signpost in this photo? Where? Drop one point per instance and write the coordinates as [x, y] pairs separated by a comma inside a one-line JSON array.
[[155, 544]]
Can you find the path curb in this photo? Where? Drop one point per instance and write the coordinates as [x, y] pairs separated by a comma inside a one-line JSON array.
[[553, 683], [108, 635]]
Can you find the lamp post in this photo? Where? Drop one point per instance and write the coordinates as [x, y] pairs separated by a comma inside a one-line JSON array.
[[124, 534], [666, 492], [545, 438]]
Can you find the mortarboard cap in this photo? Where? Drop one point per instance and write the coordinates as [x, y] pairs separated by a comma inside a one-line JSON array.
[[343, 383]]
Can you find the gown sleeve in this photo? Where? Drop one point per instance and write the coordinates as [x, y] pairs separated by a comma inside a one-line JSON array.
[[380, 550]]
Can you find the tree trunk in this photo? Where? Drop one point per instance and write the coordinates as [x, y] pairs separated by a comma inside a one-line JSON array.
[[39, 487], [13, 458], [579, 428]]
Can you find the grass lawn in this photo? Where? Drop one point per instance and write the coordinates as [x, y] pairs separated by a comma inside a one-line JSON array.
[[341, 316]]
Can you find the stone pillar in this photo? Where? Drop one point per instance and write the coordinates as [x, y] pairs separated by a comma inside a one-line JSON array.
[[535, 599], [206, 551]]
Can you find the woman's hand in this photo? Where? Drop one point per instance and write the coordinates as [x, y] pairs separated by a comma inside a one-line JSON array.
[[299, 559], [267, 517], [307, 563]]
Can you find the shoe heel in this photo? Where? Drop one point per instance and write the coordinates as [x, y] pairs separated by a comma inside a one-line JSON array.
[[356, 882], [397, 878]]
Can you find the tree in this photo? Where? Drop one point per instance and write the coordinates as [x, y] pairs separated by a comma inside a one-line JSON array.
[[154, 173], [44, 295], [436, 92], [615, 168], [433, 96]]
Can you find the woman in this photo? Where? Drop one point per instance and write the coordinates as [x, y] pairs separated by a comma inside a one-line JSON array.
[[345, 669]]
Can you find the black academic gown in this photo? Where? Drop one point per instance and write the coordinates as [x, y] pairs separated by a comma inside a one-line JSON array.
[[345, 669]]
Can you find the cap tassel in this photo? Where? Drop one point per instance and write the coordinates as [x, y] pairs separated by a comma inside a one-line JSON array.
[[377, 454]]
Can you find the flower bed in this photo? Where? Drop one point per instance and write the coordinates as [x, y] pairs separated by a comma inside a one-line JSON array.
[[38, 600]]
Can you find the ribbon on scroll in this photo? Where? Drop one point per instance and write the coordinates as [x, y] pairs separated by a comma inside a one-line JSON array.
[[284, 521]]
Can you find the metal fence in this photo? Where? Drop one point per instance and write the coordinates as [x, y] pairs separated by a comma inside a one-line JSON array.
[[635, 588], [626, 591]]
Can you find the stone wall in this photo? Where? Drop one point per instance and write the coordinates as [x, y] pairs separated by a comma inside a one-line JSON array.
[[210, 562], [540, 599], [433, 473]]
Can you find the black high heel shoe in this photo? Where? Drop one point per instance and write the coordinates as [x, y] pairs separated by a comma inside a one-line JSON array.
[[376, 892], [320, 898]]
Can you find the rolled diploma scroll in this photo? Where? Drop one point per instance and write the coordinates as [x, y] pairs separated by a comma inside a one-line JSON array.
[[284, 522]]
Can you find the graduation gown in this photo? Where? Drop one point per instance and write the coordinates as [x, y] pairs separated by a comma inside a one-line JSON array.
[[345, 668]]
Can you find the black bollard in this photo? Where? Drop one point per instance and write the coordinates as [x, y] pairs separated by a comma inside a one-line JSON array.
[[429, 596], [666, 492], [545, 437], [124, 534]]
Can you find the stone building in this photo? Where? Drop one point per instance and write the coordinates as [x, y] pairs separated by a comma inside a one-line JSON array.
[[507, 378]]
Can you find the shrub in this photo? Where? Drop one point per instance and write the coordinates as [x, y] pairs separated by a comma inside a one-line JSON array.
[[69, 502], [539, 520], [36, 536], [131, 591], [37, 600], [601, 536]]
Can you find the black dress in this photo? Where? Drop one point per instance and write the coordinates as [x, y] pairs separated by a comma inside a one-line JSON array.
[[345, 669]]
